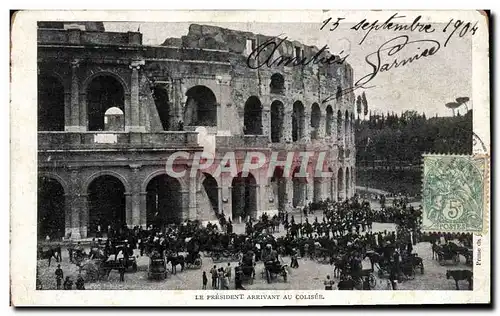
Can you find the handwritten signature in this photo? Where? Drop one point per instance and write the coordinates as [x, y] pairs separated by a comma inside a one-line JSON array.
[[384, 59], [269, 48]]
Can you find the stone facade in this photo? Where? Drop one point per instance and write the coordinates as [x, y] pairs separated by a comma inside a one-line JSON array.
[[191, 94]]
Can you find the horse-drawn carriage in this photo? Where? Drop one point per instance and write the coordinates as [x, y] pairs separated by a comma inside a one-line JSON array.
[[157, 268], [50, 251], [383, 259], [247, 266], [225, 255], [273, 269], [193, 260], [447, 252], [361, 276]]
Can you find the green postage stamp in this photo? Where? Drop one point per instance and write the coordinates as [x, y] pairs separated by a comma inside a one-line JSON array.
[[454, 193]]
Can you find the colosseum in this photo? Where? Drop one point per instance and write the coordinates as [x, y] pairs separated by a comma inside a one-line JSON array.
[[111, 111]]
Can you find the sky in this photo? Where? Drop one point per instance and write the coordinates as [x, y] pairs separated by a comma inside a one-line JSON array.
[[425, 85]]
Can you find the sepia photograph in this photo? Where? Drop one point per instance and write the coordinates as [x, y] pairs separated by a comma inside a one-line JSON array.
[[349, 152]]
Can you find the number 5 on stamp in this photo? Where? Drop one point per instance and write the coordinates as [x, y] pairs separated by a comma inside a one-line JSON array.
[[454, 193]]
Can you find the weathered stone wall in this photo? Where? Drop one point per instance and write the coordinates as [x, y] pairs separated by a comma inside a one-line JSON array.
[[217, 59]]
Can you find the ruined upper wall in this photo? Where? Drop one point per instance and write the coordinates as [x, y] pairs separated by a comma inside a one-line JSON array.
[[88, 26], [214, 37]]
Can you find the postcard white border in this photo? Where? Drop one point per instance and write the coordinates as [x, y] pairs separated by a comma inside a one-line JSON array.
[[24, 167]]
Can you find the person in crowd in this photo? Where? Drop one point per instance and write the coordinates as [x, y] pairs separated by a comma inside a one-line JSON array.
[[238, 279], [80, 282], [59, 276], [213, 272], [204, 281], [68, 283], [121, 270], [228, 271], [328, 283]]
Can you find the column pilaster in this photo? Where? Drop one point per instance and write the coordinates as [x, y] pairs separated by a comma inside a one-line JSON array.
[[135, 123]]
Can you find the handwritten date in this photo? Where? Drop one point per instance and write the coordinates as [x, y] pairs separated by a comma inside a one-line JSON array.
[[453, 28], [463, 26]]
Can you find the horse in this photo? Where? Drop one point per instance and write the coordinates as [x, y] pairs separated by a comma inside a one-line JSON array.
[[53, 251], [374, 258], [435, 250], [459, 275], [176, 260], [340, 265]]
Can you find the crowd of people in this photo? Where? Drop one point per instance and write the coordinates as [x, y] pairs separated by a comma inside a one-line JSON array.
[[342, 238]]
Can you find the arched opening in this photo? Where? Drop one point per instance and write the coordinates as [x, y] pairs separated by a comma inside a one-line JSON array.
[[315, 121], [278, 182], [317, 189], [277, 84], [163, 201], [106, 204], [114, 120], [298, 121], [104, 92], [253, 116], [340, 185], [201, 107], [212, 190], [160, 96], [244, 196], [346, 127], [50, 104], [50, 210], [277, 116], [329, 120], [299, 188], [347, 183], [339, 125]]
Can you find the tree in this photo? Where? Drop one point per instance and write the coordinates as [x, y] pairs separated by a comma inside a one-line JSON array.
[[358, 106], [452, 106], [365, 103], [463, 101]]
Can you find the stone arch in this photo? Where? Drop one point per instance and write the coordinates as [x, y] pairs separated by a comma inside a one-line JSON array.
[[299, 188], [107, 203], [201, 107], [339, 125], [317, 189], [115, 174], [315, 120], [244, 196], [298, 121], [55, 176], [51, 102], [277, 85], [329, 120], [114, 119], [253, 116], [103, 92], [277, 121], [164, 203], [158, 172], [210, 185], [162, 103], [119, 78], [340, 184], [278, 183], [51, 207]]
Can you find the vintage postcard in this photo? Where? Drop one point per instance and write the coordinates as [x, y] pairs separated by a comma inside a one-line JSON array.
[[250, 158]]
